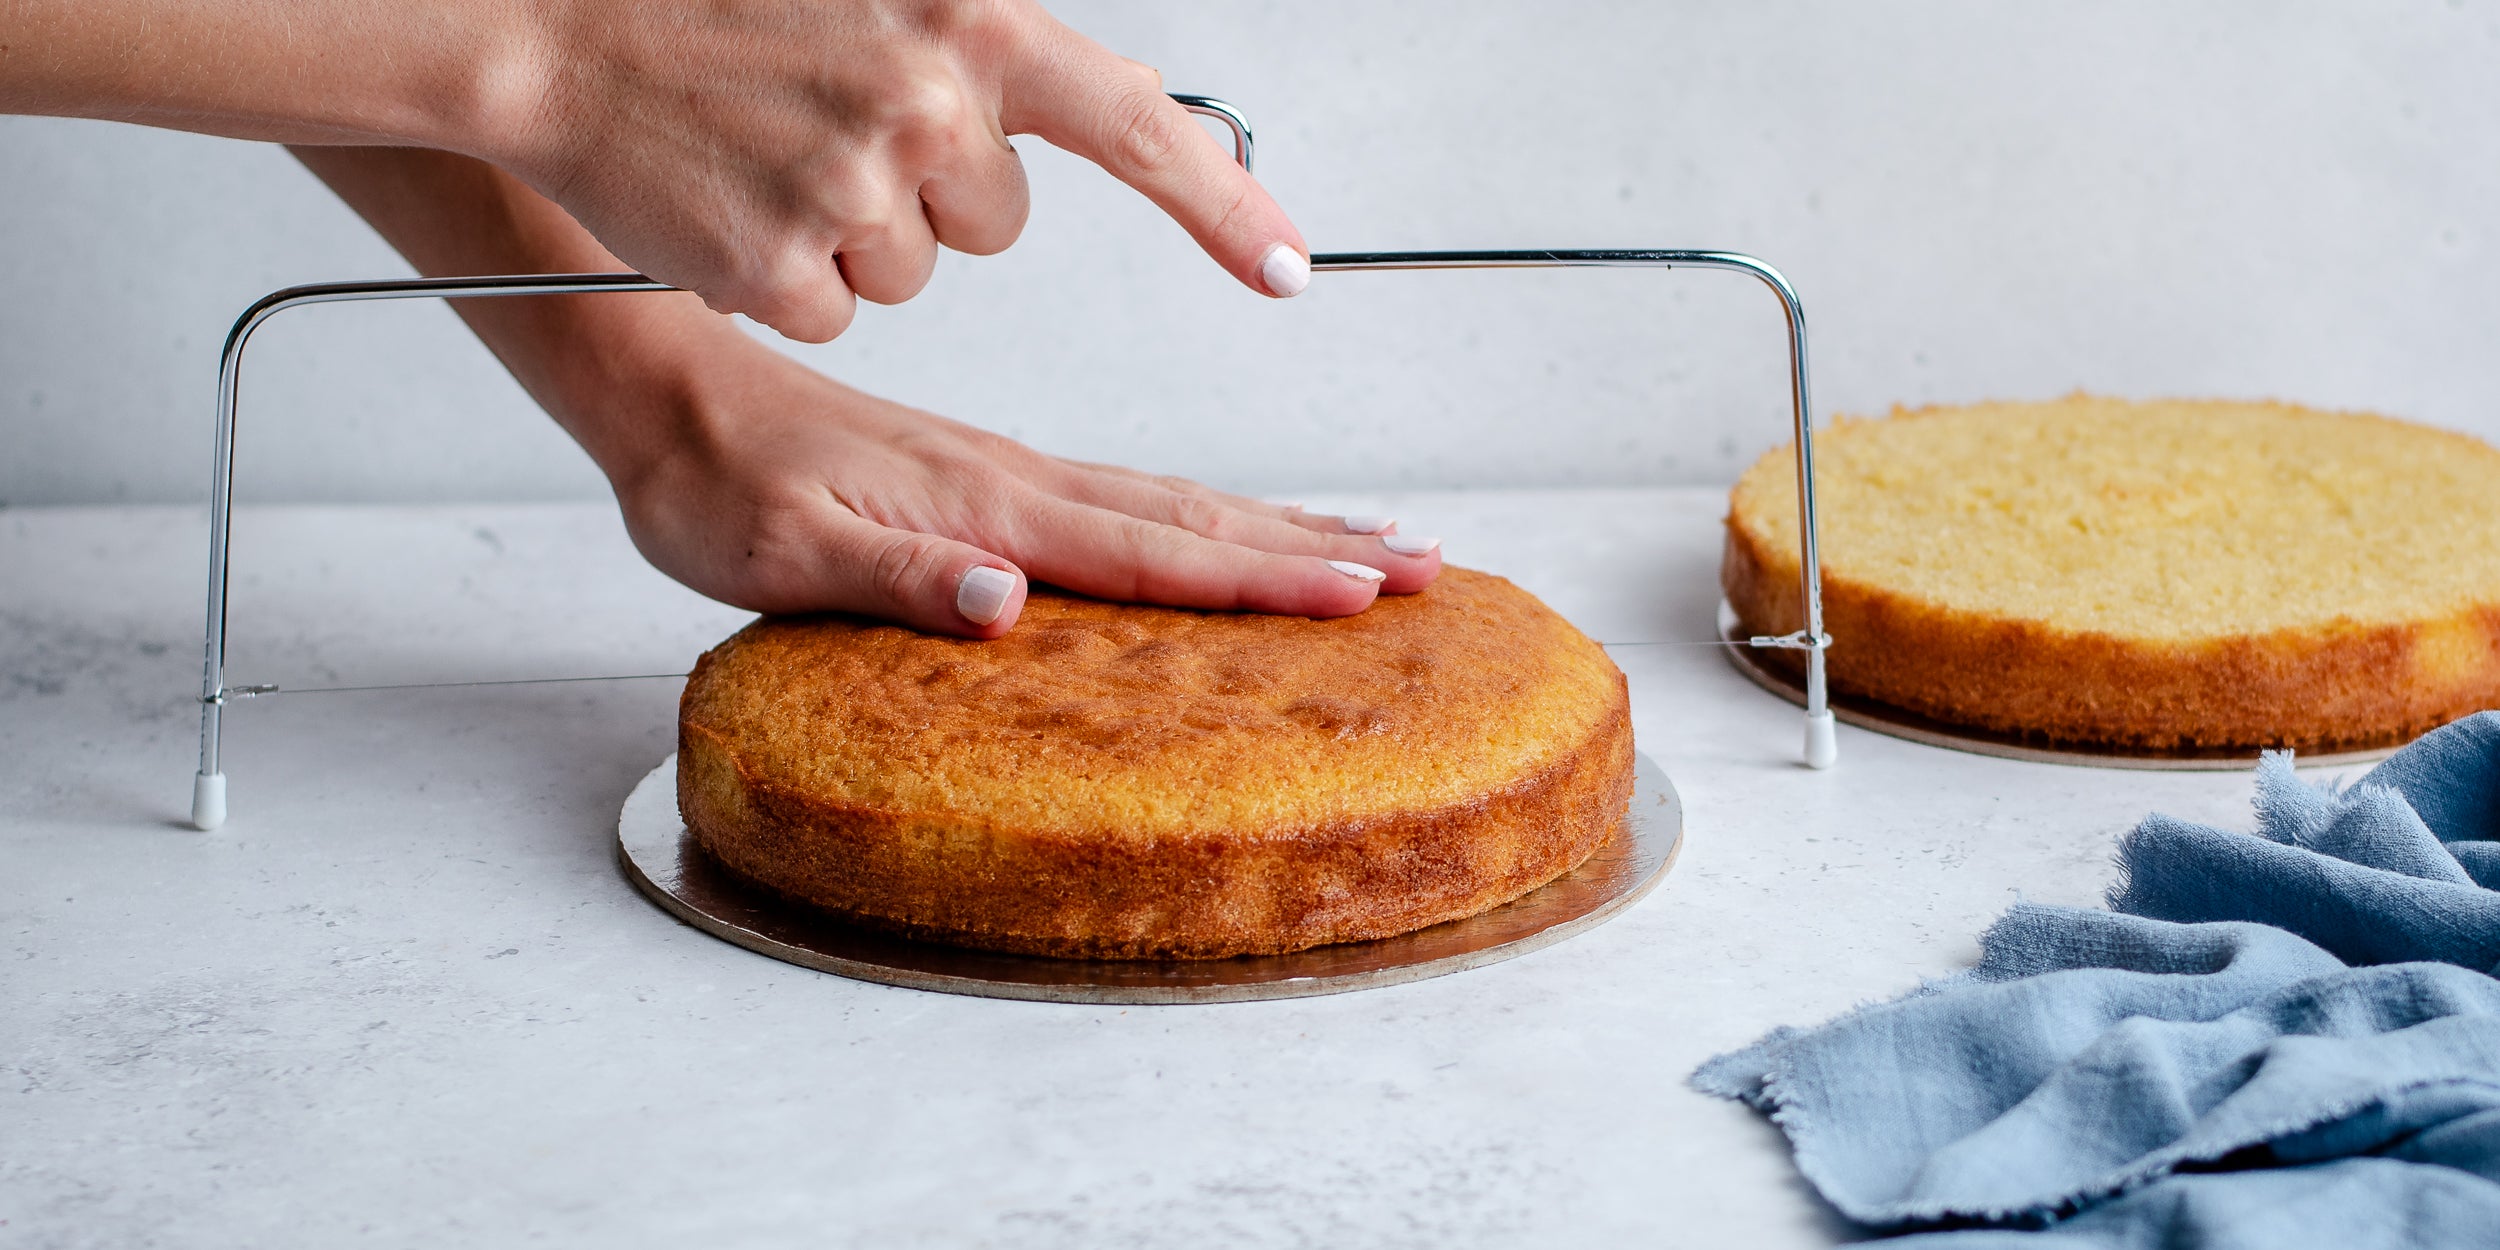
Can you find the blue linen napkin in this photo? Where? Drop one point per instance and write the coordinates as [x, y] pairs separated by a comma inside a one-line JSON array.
[[2282, 1039]]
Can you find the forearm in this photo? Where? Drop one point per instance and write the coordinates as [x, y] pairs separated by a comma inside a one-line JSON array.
[[784, 158], [606, 366], [439, 73]]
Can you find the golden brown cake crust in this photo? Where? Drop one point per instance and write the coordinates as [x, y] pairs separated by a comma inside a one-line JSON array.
[[1125, 782], [2363, 676]]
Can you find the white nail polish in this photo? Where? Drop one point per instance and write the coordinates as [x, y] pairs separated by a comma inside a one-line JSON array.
[[1359, 572], [1406, 546], [982, 594], [1368, 524], [1285, 271]]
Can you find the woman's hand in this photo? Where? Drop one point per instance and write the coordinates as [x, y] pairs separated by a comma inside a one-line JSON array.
[[764, 484], [777, 157]]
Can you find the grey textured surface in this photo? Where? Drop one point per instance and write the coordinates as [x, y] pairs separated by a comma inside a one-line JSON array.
[[405, 997], [2238, 197]]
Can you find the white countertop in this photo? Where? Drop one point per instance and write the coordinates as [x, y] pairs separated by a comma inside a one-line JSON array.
[[406, 997]]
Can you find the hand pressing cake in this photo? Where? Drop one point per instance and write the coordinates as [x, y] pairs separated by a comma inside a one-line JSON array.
[[2156, 574], [1126, 782]]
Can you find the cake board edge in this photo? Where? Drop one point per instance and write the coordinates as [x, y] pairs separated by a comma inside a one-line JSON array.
[[658, 854]]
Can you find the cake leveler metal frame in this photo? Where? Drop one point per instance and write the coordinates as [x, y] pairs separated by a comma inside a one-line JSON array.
[[208, 787]]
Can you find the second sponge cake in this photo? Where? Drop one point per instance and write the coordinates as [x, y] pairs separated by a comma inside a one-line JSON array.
[[2158, 574]]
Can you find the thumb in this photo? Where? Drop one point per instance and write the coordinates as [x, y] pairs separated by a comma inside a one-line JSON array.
[[932, 584], [1079, 96]]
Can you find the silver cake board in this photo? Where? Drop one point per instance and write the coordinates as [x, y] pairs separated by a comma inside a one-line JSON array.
[[660, 856], [1883, 718]]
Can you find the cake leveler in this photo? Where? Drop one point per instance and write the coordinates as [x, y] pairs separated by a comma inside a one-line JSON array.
[[208, 786]]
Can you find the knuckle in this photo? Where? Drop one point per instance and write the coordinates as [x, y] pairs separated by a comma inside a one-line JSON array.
[[1142, 136], [1199, 515], [1165, 564], [908, 290], [1227, 222], [886, 277], [985, 245], [904, 565], [923, 111], [969, 22], [865, 229], [1176, 553], [1141, 542], [983, 483], [987, 233], [808, 325], [827, 317], [798, 295]]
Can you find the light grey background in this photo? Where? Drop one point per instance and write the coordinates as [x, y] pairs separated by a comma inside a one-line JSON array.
[[1976, 200]]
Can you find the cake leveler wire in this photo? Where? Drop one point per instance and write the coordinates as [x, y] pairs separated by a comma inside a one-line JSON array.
[[208, 786]]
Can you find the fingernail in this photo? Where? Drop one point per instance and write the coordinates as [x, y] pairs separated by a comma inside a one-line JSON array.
[[1406, 546], [1368, 524], [982, 594], [1285, 271], [1359, 572]]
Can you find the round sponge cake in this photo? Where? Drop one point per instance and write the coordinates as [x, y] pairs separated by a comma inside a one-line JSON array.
[[2155, 574], [1123, 782]]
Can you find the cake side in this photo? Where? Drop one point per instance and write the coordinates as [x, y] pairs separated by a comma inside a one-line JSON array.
[[2306, 689], [1210, 894]]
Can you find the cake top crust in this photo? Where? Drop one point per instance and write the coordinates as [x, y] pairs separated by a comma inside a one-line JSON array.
[[1121, 721], [2171, 521]]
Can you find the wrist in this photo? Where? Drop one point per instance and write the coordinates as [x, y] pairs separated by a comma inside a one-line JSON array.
[[631, 382]]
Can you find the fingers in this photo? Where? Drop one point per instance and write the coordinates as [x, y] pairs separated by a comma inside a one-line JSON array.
[[953, 180], [1409, 563], [1113, 112], [812, 296], [1111, 555], [1291, 513], [932, 584], [890, 260], [979, 203], [976, 202], [804, 297]]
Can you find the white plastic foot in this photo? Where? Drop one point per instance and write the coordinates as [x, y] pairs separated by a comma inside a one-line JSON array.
[[1822, 741], [208, 801]]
